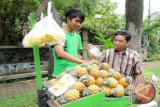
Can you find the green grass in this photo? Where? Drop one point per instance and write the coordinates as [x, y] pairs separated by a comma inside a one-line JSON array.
[[150, 72], [28, 99]]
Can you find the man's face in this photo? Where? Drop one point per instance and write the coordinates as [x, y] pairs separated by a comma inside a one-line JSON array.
[[120, 43], [74, 23]]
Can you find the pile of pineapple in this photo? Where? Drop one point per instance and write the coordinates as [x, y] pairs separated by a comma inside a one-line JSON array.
[[92, 79]]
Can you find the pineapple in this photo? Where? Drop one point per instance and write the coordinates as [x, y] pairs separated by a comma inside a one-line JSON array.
[[110, 82], [125, 81], [99, 81], [87, 80], [103, 73], [118, 91], [72, 95], [107, 91], [79, 86], [115, 74], [104, 66], [80, 70], [94, 89], [94, 73], [94, 66]]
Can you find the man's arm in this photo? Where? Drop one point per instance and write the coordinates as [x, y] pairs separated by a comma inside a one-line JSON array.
[[79, 55], [62, 54]]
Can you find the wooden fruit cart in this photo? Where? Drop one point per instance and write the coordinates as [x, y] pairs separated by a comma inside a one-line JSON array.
[[96, 100]]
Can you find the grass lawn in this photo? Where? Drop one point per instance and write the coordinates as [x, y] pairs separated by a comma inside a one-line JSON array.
[[28, 99], [150, 72]]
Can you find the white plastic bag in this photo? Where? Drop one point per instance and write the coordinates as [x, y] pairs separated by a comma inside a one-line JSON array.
[[45, 31]]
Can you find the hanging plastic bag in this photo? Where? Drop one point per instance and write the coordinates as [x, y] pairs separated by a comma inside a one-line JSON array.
[[44, 31]]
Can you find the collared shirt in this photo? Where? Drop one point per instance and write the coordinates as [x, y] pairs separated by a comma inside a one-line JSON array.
[[127, 63]]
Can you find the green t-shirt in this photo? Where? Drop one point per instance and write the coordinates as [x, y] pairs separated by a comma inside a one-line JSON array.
[[72, 45]]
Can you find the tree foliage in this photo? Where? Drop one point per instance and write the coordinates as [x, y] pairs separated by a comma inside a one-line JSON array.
[[151, 29], [107, 21], [14, 18]]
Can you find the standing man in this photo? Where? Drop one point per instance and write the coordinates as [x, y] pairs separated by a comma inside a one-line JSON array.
[[121, 58], [69, 55]]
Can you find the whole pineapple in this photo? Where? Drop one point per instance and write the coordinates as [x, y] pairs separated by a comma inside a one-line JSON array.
[[118, 91], [107, 91], [87, 80], [72, 95], [87, 66], [99, 81], [94, 66], [103, 73], [104, 66], [110, 82], [94, 73], [115, 74], [79, 86], [80, 70], [125, 81], [94, 89]]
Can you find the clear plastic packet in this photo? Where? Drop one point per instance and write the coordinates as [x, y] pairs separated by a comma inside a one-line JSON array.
[[93, 52], [45, 31]]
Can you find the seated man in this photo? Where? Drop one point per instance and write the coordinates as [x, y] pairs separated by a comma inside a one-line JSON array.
[[121, 58]]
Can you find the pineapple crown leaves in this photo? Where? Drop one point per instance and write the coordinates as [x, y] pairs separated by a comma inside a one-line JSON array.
[[63, 99], [128, 79], [87, 66], [86, 92], [106, 82], [111, 74], [84, 78], [126, 91], [102, 88]]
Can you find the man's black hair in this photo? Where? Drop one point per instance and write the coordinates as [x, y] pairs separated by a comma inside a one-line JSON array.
[[73, 13], [123, 33]]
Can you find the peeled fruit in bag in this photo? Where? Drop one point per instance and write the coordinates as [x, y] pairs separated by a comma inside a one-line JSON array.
[[49, 38]]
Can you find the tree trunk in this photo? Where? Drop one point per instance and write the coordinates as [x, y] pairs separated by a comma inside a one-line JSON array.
[[134, 19]]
